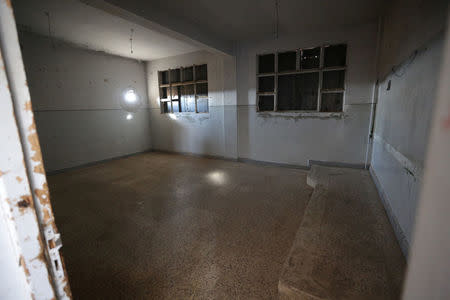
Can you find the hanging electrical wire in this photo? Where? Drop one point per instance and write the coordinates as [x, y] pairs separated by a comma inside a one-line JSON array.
[[131, 40], [276, 19], [49, 29]]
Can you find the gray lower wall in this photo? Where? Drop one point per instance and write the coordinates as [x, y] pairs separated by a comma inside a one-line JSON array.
[[299, 140], [75, 95], [402, 126], [73, 138]]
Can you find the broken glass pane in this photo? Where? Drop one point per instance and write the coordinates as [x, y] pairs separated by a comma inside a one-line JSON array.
[[175, 92], [201, 72], [188, 74], [331, 102], [310, 58], [175, 75], [265, 103], [165, 107], [335, 56], [163, 93], [202, 89], [287, 61], [188, 99], [175, 106], [298, 92], [266, 84], [164, 77], [333, 80], [266, 63]]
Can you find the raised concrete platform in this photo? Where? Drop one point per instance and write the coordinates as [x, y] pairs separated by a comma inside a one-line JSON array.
[[345, 247]]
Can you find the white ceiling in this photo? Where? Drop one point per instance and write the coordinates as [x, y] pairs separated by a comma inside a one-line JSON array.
[[88, 27], [251, 19], [165, 28]]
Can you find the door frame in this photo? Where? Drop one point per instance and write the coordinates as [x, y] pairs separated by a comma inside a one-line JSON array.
[[24, 196]]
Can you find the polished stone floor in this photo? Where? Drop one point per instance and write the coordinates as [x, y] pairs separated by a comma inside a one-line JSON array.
[[165, 226]]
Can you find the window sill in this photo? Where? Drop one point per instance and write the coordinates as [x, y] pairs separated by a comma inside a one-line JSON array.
[[187, 115], [302, 114]]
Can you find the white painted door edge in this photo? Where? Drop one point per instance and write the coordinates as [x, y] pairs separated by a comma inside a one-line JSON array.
[[24, 197]]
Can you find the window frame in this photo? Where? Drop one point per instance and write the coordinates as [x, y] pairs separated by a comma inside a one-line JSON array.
[[299, 70], [170, 85]]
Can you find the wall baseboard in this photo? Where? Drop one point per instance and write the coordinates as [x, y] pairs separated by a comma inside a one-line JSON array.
[[92, 163], [335, 164], [401, 237], [195, 154], [239, 159], [268, 163]]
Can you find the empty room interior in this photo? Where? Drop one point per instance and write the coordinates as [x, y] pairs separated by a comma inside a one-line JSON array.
[[270, 149]]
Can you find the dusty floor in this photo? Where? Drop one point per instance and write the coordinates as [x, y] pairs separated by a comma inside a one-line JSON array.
[[164, 226]]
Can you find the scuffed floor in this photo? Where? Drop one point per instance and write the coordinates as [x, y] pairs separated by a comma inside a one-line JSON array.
[[164, 226]]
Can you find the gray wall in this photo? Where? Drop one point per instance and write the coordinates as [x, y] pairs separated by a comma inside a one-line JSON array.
[[408, 25], [404, 112], [234, 129], [402, 126], [75, 95], [213, 133], [296, 139]]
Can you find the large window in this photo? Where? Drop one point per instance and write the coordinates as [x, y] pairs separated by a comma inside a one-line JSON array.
[[184, 89], [310, 79]]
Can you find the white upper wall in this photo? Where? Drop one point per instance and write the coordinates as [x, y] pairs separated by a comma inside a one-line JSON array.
[[75, 95], [360, 74], [63, 77]]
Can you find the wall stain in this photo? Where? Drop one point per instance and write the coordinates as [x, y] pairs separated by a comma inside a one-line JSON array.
[[192, 119], [19, 179], [409, 172], [301, 117]]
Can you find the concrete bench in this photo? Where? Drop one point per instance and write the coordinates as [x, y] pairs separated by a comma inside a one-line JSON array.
[[345, 247]]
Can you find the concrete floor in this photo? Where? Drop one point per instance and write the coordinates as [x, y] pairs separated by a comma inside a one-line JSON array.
[[166, 226]]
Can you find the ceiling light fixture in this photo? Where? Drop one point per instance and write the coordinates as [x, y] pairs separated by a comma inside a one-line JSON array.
[[130, 96]]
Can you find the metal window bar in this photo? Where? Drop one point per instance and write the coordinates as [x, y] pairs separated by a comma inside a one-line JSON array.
[[182, 84], [299, 70], [319, 92], [275, 89]]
